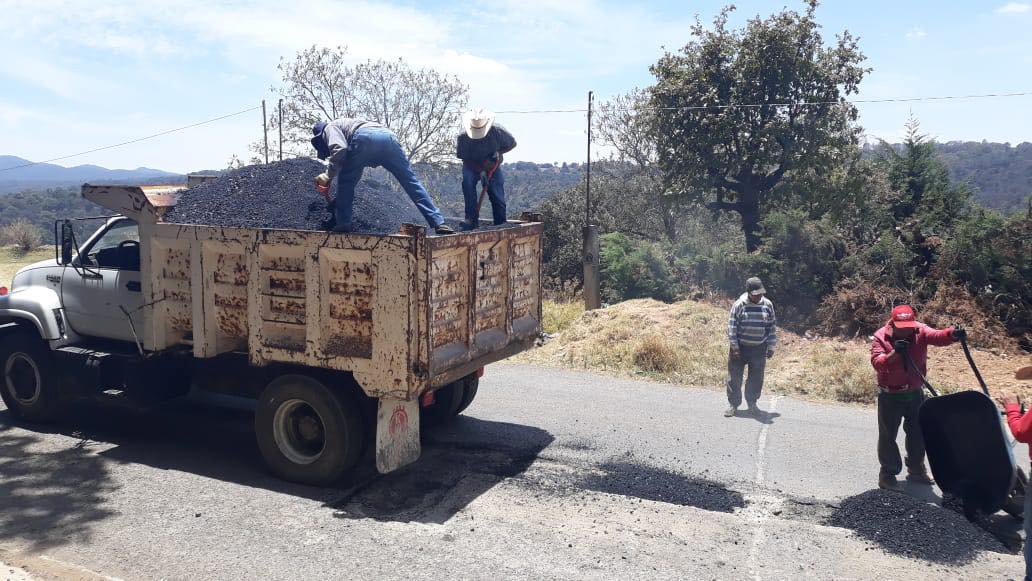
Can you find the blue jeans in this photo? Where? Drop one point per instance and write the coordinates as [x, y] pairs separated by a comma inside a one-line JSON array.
[[495, 191], [374, 147]]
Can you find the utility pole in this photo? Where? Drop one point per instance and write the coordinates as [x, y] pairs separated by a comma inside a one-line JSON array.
[[280, 122], [592, 294], [265, 131]]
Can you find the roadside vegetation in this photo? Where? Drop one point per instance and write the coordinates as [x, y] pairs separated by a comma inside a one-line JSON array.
[[685, 343], [13, 258]]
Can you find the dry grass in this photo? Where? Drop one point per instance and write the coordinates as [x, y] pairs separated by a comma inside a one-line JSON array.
[[12, 259], [685, 343], [556, 316]]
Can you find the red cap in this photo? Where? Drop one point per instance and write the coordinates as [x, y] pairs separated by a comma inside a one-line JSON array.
[[903, 317]]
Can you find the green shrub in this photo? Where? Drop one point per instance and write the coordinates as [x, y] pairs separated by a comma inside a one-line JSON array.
[[634, 269]]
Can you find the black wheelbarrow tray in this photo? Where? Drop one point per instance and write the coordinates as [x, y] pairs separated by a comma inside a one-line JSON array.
[[968, 448]]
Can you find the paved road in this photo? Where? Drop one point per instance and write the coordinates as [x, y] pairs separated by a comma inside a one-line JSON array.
[[551, 474]]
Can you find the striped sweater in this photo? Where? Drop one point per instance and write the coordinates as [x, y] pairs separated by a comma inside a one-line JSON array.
[[752, 324]]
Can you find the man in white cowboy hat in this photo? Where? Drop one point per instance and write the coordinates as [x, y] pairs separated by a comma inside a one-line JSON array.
[[480, 147]]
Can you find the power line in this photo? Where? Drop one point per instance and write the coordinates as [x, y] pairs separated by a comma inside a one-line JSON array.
[[784, 104], [137, 140]]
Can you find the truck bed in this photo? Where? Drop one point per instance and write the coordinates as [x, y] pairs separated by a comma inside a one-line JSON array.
[[403, 312]]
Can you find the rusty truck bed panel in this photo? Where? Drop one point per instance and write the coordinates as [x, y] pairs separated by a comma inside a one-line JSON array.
[[402, 313], [484, 294]]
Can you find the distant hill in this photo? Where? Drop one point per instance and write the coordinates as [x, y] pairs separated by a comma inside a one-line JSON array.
[[48, 175], [999, 174]]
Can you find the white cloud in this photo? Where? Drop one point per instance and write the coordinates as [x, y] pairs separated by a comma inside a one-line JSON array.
[[534, 55], [1014, 8], [916, 33], [44, 74]]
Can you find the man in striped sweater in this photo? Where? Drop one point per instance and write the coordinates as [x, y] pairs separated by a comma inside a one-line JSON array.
[[752, 335]]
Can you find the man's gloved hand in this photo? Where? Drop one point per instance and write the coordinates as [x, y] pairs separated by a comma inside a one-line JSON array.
[[901, 346], [322, 185], [770, 353], [735, 353], [959, 334]]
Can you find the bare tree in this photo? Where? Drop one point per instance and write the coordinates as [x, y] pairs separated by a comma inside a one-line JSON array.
[[626, 125], [421, 106]]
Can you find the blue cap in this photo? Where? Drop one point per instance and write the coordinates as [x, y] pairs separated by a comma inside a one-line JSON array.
[[318, 141]]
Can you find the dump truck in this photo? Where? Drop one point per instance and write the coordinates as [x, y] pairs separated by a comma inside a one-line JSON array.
[[346, 342]]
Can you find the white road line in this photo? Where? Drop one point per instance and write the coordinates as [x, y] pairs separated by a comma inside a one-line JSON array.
[[761, 506]]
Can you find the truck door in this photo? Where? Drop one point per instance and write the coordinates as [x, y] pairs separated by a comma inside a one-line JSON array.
[[104, 279]]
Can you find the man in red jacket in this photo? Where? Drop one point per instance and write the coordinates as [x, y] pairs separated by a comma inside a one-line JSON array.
[[1021, 426], [900, 391]]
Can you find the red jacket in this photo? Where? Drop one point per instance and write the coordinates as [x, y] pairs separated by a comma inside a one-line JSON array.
[[894, 376], [1020, 425]]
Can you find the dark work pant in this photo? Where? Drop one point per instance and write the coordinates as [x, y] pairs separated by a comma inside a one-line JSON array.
[[892, 409], [756, 359], [495, 191]]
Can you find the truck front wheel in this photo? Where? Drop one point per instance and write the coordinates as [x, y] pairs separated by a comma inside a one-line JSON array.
[[29, 383], [307, 432]]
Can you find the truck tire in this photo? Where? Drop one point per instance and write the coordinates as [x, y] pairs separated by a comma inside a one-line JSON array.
[[29, 382], [471, 384], [447, 400], [307, 432]]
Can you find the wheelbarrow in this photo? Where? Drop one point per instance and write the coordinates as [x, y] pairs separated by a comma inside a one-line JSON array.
[[970, 449]]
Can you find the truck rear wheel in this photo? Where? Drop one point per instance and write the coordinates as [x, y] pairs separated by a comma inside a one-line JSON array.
[[471, 384], [450, 401], [447, 400], [29, 383], [307, 432]]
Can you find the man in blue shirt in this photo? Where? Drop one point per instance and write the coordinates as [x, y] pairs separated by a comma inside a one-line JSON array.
[[752, 335]]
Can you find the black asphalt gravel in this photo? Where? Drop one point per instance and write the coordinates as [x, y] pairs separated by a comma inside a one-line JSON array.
[[908, 526], [282, 195]]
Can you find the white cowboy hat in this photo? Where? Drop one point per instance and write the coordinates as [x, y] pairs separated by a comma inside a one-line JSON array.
[[477, 123]]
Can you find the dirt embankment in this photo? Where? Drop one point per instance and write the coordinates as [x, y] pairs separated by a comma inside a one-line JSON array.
[[685, 342]]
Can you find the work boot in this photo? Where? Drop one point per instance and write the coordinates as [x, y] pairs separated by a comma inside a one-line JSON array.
[[730, 411], [920, 477], [889, 482], [467, 225], [752, 409], [444, 229]]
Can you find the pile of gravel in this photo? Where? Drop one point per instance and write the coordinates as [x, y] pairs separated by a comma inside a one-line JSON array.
[[909, 526], [282, 195]]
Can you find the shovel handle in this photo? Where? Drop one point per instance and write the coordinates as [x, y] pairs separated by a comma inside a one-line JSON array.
[[974, 368]]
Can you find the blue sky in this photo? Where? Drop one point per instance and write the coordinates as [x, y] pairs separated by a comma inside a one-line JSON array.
[[76, 75]]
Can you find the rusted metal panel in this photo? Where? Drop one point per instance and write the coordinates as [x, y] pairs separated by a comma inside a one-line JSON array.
[[502, 305], [399, 311]]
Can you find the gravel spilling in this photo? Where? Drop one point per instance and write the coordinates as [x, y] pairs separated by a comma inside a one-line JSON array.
[[281, 195], [911, 527]]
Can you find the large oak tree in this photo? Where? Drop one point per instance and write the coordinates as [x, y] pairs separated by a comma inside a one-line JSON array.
[[739, 111]]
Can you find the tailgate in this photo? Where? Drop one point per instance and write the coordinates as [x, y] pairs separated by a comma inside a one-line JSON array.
[[485, 298]]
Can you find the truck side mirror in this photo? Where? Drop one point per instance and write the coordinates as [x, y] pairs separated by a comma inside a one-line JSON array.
[[67, 242]]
